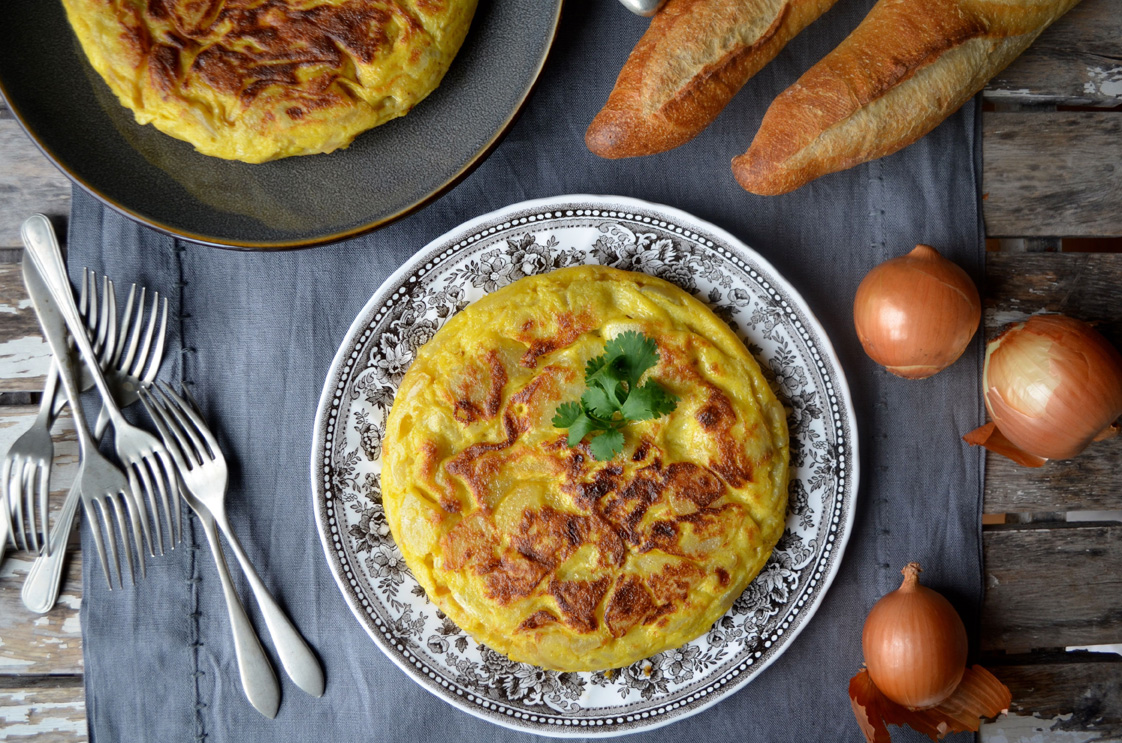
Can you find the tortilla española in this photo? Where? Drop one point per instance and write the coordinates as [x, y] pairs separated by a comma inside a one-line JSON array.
[[257, 80], [536, 549]]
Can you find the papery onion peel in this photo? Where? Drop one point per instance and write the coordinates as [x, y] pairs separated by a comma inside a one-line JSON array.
[[915, 651], [978, 695], [1053, 384]]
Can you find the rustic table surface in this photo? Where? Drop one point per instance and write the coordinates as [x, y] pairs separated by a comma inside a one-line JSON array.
[[1052, 618]]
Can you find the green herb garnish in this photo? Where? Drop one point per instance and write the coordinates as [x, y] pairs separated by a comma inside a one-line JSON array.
[[614, 396]]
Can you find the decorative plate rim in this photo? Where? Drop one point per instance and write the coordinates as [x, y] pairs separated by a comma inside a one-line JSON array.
[[454, 241]]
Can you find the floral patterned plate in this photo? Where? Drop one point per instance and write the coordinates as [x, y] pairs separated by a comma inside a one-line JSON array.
[[497, 249]]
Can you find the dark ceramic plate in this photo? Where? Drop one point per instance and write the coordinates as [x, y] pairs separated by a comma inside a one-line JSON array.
[[385, 174]]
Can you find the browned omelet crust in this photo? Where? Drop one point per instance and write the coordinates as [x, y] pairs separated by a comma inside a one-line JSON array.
[[540, 551], [256, 80]]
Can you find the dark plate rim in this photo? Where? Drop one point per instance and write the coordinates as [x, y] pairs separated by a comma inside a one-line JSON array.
[[273, 245]]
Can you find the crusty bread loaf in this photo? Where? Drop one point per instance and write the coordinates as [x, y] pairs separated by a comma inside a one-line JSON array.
[[909, 65], [691, 61]]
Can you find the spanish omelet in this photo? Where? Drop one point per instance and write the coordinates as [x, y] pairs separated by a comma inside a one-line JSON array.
[[257, 80], [533, 547]]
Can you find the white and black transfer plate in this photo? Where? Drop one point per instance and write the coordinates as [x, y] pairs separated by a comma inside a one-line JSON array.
[[492, 251]]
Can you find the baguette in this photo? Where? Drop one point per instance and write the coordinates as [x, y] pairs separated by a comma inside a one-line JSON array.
[[691, 61], [909, 65]]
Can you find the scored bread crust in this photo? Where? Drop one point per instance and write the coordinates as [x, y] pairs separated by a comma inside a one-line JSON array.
[[688, 65], [908, 66]]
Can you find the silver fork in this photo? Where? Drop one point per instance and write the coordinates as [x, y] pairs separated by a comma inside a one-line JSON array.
[[25, 481], [205, 476], [145, 459], [135, 361], [103, 488]]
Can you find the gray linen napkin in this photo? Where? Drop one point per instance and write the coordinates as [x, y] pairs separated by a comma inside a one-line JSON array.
[[256, 332]]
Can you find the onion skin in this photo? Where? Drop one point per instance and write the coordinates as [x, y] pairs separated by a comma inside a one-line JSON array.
[[915, 644], [1053, 384], [915, 314]]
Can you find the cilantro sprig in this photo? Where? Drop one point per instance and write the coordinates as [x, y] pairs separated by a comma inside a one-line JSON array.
[[614, 397]]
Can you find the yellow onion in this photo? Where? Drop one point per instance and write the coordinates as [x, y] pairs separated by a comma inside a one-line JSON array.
[[914, 644], [1053, 384], [915, 314]]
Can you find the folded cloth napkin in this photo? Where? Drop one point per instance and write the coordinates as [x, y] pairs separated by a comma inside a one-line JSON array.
[[255, 333]]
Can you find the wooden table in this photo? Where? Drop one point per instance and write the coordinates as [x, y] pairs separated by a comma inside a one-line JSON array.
[[1052, 536]]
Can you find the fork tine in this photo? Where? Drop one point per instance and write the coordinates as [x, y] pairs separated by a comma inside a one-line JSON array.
[[110, 538], [111, 332], [174, 451], [139, 483], [181, 426], [30, 530], [16, 504], [126, 326], [91, 289], [157, 355], [161, 476], [141, 520], [83, 295], [134, 333], [95, 530], [143, 353], [5, 501], [198, 425], [30, 494], [119, 501], [103, 316], [135, 521], [44, 492], [159, 414], [173, 489]]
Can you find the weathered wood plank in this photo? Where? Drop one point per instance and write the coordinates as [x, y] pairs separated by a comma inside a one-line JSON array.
[[1085, 686], [29, 183], [44, 714], [1052, 174], [41, 643], [1052, 586], [1086, 286], [34, 644], [1028, 729], [24, 355], [1083, 285], [1077, 61]]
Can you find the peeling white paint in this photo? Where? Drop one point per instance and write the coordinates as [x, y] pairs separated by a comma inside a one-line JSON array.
[[1106, 82], [66, 717], [72, 626], [7, 309], [1026, 729], [24, 357], [1001, 319], [1019, 93], [70, 601], [15, 563], [1116, 649], [14, 662], [1094, 516]]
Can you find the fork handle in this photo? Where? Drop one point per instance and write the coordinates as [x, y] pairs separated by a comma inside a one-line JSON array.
[[41, 587], [299, 662], [42, 246], [258, 679]]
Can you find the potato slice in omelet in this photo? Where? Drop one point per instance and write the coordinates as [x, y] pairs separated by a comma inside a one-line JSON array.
[[536, 549], [257, 80]]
